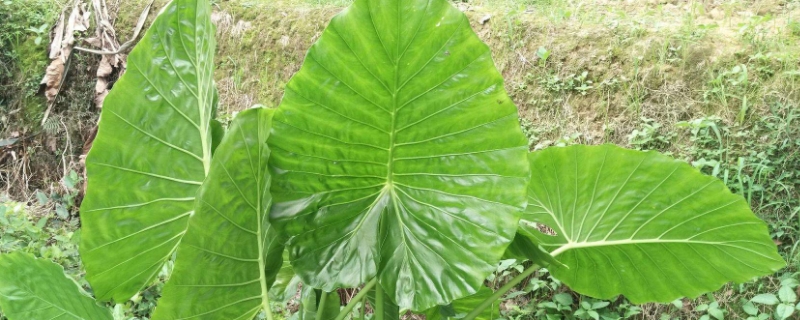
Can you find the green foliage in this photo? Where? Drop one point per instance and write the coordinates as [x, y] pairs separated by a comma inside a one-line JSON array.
[[659, 214], [650, 136], [398, 163], [64, 201], [23, 58], [410, 180], [44, 237], [543, 298], [460, 308], [161, 150], [572, 83], [781, 306], [318, 305], [41, 232], [23, 21], [732, 87], [762, 170], [31, 288], [234, 201]]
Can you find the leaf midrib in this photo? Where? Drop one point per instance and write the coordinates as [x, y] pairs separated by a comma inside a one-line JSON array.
[[260, 219], [581, 245], [395, 90]]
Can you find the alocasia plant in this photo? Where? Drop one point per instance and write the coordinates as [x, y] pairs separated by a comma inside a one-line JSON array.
[[395, 161], [397, 154], [642, 224], [230, 246], [33, 288], [152, 152]]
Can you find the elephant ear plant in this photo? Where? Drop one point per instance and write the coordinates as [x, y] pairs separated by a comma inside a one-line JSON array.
[[398, 156], [394, 164]]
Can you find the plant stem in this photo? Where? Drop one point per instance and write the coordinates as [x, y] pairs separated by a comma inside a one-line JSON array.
[[321, 307], [378, 302], [268, 311], [360, 311], [502, 291], [353, 302]]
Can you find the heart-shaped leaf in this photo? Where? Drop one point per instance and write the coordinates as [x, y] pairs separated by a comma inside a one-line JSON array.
[[642, 224], [784, 311], [38, 289], [766, 298], [152, 151], [230, 255], [398, 154]]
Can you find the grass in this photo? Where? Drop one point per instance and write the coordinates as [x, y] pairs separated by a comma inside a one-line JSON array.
[[712, 83]]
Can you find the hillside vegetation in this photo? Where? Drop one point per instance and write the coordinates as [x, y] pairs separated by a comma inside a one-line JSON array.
[[714, 83]]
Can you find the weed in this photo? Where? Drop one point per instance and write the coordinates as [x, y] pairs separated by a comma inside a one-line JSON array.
[[572, 83], [650, 136], [767, 305]]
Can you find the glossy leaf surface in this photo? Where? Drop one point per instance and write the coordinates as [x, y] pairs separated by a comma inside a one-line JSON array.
[[152, 151], [34, 289], [642, 224], [461, 307], [230, 255], [396, 148]]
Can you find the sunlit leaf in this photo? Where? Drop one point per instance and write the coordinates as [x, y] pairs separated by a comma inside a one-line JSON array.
[[230, 255], [152, 151], [766, 298], [642, 224], [38, 289], [784, 311], [397, 149]]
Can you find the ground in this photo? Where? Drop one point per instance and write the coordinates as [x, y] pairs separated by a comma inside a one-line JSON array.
[[714, 83]]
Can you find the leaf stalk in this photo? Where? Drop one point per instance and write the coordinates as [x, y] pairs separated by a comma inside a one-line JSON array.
[[502, 291], [379, 303], [353, 302], [321, 307]]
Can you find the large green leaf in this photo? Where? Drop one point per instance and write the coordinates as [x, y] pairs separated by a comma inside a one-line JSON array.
[[230, 255], [35, 289], [397, 153], [642, 224], [152, 151]]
